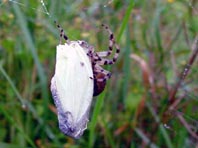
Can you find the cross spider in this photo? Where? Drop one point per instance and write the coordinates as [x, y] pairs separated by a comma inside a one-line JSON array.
[[97, 59]]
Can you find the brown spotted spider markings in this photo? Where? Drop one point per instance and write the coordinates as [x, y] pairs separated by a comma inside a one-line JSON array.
[[100, 75]]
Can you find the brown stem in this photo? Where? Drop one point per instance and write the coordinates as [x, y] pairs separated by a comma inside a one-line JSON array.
[[184, 72]]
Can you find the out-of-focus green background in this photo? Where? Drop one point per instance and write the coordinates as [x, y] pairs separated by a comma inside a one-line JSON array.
[[156, 39]]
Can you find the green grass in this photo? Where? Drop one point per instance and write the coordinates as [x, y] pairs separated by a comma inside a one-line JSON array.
[[133, 109]]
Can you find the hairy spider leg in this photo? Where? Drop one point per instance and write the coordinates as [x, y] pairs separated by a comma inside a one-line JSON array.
[[111, 43], [99, 55], [62, 33]]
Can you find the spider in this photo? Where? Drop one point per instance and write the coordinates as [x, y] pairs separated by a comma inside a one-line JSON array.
[[97, 59]]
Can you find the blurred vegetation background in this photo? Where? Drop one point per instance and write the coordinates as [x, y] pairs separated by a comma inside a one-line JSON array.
[[156, 39]]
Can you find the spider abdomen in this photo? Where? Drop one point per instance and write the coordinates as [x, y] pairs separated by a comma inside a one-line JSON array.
[[99, 86]]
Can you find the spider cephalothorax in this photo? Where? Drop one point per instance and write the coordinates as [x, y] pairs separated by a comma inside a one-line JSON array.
[[100, 75]]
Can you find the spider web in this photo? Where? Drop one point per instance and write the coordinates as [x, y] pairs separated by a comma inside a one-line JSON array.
[[43, 10]]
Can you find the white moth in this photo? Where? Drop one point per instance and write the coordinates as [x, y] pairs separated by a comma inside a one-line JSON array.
[[72, 88]]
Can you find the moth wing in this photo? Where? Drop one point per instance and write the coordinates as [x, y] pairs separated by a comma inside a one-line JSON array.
[[74, 87]]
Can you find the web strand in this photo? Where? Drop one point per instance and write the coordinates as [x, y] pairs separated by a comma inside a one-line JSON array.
[[45, 8], [45, 11]]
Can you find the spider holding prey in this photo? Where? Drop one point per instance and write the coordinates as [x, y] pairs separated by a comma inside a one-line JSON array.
[[78, 77]]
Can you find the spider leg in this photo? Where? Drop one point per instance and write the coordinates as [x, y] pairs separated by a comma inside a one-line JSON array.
[[98, 71], [99, 55], [103, 53], [103, 61], [62, 33], [111, 42]]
